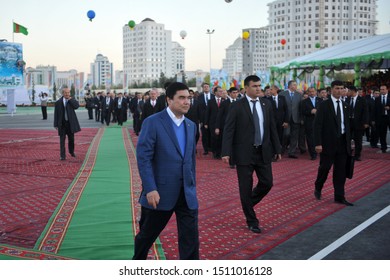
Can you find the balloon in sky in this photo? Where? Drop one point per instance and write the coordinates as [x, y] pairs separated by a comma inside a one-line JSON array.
[[245, 35], [131, 24], [318, 45], [183, 34], [283, 42], [91, 15], [228, 1]]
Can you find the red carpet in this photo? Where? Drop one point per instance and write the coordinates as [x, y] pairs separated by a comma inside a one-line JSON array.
[[288, 209], [33, 180]]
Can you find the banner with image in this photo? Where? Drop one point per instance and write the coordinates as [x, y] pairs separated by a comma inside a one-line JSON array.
[[11, 64]]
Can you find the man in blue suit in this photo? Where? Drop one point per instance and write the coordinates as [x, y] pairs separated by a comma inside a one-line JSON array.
[[166, 163]]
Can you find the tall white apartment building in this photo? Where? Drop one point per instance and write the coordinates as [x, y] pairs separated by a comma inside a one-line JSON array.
[[102, 72], [308, 25], [178, 58], [232, 64], [147, 52], [255, 51]]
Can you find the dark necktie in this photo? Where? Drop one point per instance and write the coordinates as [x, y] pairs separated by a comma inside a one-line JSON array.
[[66, 111], [351, 109], [218, 101], [338, 119], [276, 103], [256, 121]]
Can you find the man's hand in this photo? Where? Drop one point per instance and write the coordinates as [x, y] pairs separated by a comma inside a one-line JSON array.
[[226, 159], [153, 198], [318, 149], [285, 125], [216, 131]]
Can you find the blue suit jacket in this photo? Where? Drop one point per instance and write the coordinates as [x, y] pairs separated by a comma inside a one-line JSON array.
[[162, 166]]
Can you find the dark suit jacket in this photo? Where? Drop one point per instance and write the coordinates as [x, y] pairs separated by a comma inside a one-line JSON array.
[[222, 113], [192, 113], [380, 109], [59, 115], [360, 112], [325, 127], [161, 102], [110, 105], [123, 105], [148, 109], [306, 107], [162, 166], [210, 118], [203, 106], [239, 133], [280, 113]]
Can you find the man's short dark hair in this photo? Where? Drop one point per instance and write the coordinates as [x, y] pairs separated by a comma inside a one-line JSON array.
[[216, 89], [290, 82], [174, 88], [251, 78], [353, 88], [232, 89], [336, 83], [204, 83]]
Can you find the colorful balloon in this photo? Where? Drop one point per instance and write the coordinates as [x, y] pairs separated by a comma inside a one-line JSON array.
[[283, 42], [91, 15], [183, 34], [245, 35], [228, 1], [318, 45], [131, 24]]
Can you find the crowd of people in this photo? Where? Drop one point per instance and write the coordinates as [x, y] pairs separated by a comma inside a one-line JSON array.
[[248, 128]]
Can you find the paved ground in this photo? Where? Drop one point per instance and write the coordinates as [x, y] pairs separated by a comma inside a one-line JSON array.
[[359, 232]]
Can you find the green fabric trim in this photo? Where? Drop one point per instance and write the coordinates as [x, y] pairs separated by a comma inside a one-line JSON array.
[[101, 227]]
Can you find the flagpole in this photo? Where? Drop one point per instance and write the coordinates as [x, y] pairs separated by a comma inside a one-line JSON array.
[[13, 31]]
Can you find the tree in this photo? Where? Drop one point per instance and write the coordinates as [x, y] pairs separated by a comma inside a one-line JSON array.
[[33, 94], [191, 82], [207, 79], [94, 87], [162, 80], [54, 91]]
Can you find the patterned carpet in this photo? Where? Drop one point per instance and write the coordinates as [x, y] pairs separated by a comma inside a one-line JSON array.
[[288, 209], [33, 181]]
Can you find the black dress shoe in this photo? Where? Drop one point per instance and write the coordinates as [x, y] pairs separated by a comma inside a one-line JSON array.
[[205, 153], [254, 229], [62, 158], [313, 158], [317, 194], [343, 201], [292, 156], [358, 158], [73, 154]]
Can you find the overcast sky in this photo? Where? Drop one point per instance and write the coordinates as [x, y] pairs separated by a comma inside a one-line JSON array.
[[60, 33]]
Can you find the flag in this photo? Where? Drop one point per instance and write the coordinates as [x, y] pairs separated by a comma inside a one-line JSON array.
[[20, 29]]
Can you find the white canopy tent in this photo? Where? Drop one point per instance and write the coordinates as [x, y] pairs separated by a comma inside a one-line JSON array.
[[368, 53]]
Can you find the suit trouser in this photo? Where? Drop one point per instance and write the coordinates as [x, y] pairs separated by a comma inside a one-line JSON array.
[[357, 136], [152, 222], [338, 159], [383, 126], [250, 196], [65, 131], [119, 116], [293, 135], [106, 116], [44, 112], [97, 114], [205, 138], [309, 131]]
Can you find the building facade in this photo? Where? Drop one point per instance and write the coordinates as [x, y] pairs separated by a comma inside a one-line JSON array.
[[299, 27], [102, 72], [232, 64], [255, 51], [148, 51]]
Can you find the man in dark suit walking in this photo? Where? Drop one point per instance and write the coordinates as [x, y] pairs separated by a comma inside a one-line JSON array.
[[250, 136], [151, 105], [210, 121], [204, 98], [291, 133], [359, 119], [279, 106], [107, 108], [333, 142], [136, 106], [66, 122], [166, 163], [309, 110], [120, 108], [382, 115]]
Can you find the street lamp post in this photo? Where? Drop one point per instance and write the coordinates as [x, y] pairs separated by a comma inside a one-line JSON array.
[[209, 32]]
